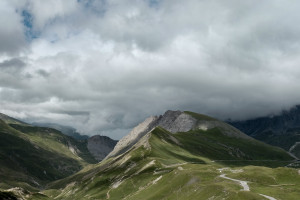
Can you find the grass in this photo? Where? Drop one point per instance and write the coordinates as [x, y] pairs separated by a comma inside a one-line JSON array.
[[214, 145], [164, 166], [179, 170], [31, 157], [280, 183], [200, 116]]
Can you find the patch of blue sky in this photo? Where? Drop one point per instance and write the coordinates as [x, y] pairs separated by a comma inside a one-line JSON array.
[[98, 7], [29, 31], [154, 3]]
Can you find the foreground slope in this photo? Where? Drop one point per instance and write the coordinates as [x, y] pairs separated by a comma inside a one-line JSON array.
[[190, 164], [32, 156]]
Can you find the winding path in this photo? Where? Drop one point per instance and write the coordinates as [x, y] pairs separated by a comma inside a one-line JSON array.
[[268, 197], [244, 184]]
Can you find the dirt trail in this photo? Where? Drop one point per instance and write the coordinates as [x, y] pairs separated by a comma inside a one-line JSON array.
[[268, 197], [244, 184]]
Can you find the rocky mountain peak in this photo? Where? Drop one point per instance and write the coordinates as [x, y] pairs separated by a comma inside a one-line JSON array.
[[172, 121]]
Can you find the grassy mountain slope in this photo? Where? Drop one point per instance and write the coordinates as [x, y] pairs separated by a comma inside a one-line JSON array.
[[182, 166], [10, 120], [281, 130], [215, 145], [31, 156]]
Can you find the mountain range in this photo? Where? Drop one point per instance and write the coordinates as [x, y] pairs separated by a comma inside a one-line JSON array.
[[282, 130], [177, 155]]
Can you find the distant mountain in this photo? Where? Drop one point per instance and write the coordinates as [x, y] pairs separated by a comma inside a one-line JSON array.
[[100, 146], [183, 155], [67, 130], [281, 130]]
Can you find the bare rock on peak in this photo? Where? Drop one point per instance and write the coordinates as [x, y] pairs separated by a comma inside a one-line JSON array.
[[173, 121], [138, 132], [100, 146], [177, 121]]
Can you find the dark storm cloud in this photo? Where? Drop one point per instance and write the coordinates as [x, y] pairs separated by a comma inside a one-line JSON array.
[[12, 63], [72, 112], [104, 66], [43, 73]]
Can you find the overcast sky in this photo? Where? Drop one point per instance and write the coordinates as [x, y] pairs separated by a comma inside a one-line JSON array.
[[103, 66]]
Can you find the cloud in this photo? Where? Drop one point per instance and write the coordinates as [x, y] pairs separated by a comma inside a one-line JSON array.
[[12, 39], [104, 66], [12, 63]]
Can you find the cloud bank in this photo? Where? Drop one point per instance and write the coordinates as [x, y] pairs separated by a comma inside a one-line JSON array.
[[104, 66]]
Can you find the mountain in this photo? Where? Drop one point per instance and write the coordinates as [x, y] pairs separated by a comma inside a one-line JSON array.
[[184, 155], [10, 120], [281, 130], [100, 146], [67, 130], [31, 157], [174, 121]]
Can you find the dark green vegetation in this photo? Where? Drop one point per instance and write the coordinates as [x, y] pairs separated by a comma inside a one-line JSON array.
[[31, 157], [7, 196], [162, 165], [286, 141], [281, 130], [217, 146]]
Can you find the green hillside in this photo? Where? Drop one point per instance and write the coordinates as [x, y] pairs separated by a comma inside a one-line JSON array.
[[31, 156], [184, 166]]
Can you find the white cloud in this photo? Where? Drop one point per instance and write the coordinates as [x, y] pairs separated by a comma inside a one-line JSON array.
[[103, 66], [12, 39]]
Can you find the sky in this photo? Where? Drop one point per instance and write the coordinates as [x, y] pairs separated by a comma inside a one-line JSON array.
[[104, 66]]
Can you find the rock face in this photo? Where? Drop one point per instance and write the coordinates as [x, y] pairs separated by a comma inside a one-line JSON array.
[[172, 121], [100, 146]]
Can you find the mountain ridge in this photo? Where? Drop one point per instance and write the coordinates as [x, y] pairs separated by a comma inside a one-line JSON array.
[[282, 130], [173, 121]]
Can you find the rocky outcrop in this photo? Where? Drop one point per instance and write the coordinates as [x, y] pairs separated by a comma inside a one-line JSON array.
[[138, 132], [172, 121], [100, 146]]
